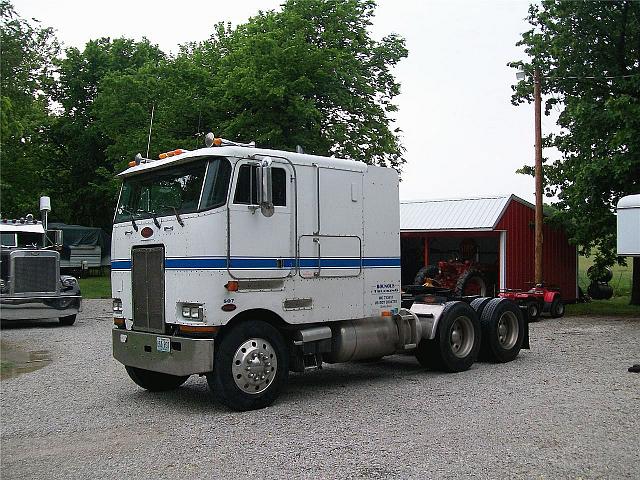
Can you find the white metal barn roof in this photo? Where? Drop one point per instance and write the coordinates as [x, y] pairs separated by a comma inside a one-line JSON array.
[[461, 214]]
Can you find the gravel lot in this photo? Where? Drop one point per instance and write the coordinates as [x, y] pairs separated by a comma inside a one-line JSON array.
[[567, 408]]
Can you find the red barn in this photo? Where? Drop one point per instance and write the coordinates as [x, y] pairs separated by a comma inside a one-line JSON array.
[[499, 231]]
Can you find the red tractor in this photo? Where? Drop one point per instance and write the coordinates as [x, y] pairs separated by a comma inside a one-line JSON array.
[[537, 300], [463, 276]]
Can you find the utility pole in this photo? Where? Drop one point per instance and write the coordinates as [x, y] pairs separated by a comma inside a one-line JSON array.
[[538, 173]]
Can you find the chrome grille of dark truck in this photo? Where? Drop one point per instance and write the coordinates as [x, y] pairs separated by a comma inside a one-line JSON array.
[[147, 277], [37, 273]]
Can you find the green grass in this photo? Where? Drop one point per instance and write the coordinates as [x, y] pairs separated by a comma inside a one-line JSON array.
[[621, 281], [95, 287], [619, 303], [617, 306]]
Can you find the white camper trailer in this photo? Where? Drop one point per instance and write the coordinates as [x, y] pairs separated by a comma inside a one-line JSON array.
[[629, 226], [242, 264]]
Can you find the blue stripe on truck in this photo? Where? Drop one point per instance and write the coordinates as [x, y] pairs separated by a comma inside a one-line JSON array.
[[266, 263]]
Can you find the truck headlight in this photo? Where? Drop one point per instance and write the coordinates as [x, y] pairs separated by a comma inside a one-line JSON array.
[[117, 307], [3, 285], [68, 282], [192, 311]]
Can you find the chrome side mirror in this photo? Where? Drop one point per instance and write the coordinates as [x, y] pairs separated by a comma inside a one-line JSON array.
[[265, 191]]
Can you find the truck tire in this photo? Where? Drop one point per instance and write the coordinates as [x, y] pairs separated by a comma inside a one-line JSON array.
[[68, 320], [478, 304], [533, 310], [155, 381], [430, 271], [557, 307], [251, 366], [457, 341], [600, 291], [471, 282], [502, 330]]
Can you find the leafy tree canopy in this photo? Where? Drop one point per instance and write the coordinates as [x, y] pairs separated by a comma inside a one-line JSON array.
[[26, 53], [588, 54], [309, 75]]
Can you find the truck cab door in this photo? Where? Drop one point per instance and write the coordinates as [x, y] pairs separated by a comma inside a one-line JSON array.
[[259, 246]]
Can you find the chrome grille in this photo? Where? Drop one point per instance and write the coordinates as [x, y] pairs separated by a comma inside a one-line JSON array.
[[147, 277], [35, 273]]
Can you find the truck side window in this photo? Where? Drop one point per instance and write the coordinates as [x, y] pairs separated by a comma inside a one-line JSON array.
[[217, 183], [279, 178], [247, 188]]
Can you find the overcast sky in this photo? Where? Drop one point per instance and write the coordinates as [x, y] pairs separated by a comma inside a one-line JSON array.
[[463, 137]]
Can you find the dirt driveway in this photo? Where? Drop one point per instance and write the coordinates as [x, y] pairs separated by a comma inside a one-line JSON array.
[[567, 408]]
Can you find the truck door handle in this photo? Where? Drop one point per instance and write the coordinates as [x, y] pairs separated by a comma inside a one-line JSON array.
[[317, 274]]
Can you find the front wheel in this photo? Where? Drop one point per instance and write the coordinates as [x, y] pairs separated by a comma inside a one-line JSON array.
[[155, 381], [251, 366], [457, 341]]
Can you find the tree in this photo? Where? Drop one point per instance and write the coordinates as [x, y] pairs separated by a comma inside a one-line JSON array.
[[84, 170], [310, 75], [588, 54], [26, 53]]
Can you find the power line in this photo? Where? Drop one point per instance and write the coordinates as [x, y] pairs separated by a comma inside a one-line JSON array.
[[589, 77]]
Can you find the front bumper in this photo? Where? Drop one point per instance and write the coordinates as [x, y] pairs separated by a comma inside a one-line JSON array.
[[32, 308], [187, 356]]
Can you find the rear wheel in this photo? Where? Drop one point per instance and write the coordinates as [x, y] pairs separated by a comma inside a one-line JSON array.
[[155, 381], [502, 330], [455, 346], [557, 307], [479, 303], [68, 320], [251, 366], [471, 282]]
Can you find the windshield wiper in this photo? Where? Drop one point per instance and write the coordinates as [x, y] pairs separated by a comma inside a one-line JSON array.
[[133, 222], [175, 212], [153, 215]]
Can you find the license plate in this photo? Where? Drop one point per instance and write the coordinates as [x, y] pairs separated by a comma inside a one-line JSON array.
[[163, 344]]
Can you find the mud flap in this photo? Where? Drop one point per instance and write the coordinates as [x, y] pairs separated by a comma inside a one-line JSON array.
[[525, 339]]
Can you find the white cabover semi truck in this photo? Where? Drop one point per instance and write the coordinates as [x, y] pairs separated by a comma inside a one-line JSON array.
[[243, 264]]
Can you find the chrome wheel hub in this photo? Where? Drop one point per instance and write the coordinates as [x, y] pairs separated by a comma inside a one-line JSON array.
[[461, 338], [507, 330], [254, 366]]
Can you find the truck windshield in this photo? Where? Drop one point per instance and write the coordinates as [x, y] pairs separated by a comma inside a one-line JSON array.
[[9, 239], [174, 190]]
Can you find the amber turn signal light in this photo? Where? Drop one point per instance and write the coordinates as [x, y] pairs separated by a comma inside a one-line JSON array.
[[231, 286]]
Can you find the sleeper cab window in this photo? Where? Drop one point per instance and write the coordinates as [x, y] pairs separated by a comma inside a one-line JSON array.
[[247, 186]]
